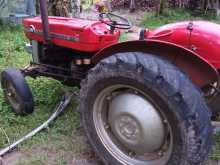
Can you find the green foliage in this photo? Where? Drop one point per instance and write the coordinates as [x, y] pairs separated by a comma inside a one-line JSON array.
[[161, 7], [152, 21], [86, 3], [216, 149], [46, 93], [123, 37], [61, 161], [169, 16]]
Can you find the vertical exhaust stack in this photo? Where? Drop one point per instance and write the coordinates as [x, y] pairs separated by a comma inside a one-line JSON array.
[[44, 18]]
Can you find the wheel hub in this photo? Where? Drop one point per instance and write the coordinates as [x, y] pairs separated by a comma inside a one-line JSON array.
[[128, 128], [12, 95], [136, 123]]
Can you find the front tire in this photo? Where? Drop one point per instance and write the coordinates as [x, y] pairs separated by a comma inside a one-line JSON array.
[[17, 91], [137, 108]]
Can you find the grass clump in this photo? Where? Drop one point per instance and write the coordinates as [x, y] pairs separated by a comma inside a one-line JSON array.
[[151, 21], [46, 93]]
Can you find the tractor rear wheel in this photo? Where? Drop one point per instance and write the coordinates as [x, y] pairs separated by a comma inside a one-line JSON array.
[[140, 109], [17, 91]]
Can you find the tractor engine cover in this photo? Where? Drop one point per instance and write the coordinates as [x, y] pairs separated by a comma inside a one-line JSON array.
[[73, 33], [201, 37]]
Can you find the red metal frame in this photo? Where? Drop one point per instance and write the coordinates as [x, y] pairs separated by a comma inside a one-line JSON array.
[[73, 33], [202, 37], [191, 45]]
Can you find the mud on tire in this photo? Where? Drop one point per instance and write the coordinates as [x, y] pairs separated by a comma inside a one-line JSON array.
[[179, 101]]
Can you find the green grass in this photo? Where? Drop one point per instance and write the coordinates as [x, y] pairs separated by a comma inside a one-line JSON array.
[[86, 3], [123, 37], [152, 21], [216, 149], [35, 160], [46, 93]]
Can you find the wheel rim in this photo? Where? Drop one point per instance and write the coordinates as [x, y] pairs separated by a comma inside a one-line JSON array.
[[12, 95], [131, 128]]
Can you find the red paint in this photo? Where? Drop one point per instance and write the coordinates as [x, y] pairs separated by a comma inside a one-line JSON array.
[[195, 48], [204, 39], [92, 35], [196, 67]]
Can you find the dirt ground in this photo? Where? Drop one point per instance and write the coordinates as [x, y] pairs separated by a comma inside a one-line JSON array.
[[45, 154], [19, 158]]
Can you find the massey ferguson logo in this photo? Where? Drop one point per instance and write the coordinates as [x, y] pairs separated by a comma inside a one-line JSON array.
[[32, 29]]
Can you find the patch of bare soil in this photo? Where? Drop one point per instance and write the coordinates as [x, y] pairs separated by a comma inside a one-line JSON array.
[[76, 151], [11, 158], [18, 158], [135, 18]]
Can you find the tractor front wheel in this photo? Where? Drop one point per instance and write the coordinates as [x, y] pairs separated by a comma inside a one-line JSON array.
[[17, 91], [139, 109]]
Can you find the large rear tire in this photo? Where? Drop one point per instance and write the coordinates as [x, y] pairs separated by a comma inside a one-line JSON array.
[[137, 108]]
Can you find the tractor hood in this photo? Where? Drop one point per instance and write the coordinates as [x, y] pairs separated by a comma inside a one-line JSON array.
[[202, 37], [202, 28]]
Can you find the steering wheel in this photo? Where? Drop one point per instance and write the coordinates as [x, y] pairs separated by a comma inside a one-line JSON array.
[[123, 24]]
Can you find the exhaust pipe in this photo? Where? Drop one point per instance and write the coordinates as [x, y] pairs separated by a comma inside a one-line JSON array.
[[44, 19]]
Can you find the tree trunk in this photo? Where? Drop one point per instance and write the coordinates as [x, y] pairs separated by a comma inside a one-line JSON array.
[[76, 5], [217, 5], [59, 8], [204, 5], [160, 8], [132, 6], [193, 4]]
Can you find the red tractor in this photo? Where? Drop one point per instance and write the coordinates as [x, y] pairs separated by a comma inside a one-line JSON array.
[[144, 102]]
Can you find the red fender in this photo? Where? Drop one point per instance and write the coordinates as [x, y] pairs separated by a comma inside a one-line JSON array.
[[200, 71]]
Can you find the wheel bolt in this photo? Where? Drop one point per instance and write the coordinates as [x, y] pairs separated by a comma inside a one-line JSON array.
[[160, 153], [108, 98], [107, 126], [131, 154], [135, 92], [165, 121]]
